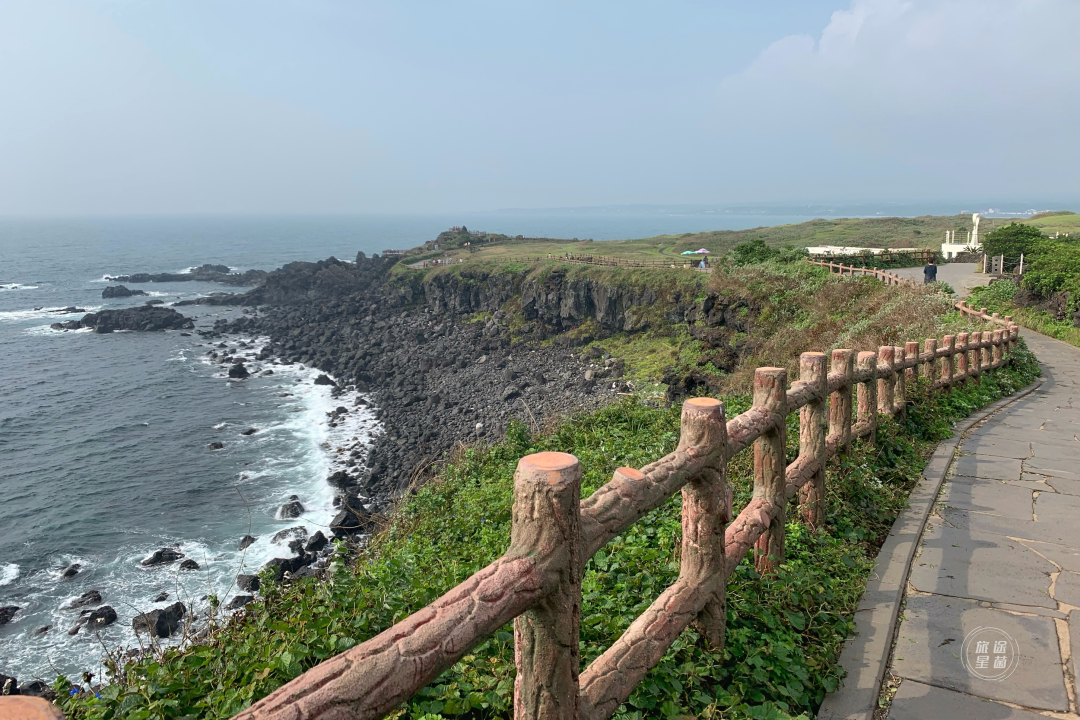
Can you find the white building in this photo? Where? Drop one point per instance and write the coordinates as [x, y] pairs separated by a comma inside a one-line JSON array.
[[957, 242]]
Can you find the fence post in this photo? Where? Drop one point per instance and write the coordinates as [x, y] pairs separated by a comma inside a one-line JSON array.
[[929, 347], [706, 512], [900, 388], [770, 465], [885, 384], [866, 363], [948, 343], [812, 436], [997, 349], [975, 355], [911, 354], [842, 363], [984, 352], [547, 518], [961, 357]]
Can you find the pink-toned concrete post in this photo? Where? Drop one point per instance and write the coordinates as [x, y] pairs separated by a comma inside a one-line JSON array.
[[547, 517], [911, 354], [770, 464], [866, 367], [962, 357], [842, 364], [929, 365], [812, 436], [706, 513], [886, 380], [948, 343], [900, 390], [998, 349]]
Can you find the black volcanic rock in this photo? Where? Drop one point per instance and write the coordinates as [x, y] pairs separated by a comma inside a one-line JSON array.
[[240, 601], [99, 617], [316, 542], [238, 371], [204, 273], [163, 556], [160, 623], [324, 380], [119, 291], [292, 509], [141, 319], [71, 570], [349, 521], [248, 583], [216, 445], [87, 599], [7, 613], [189, 564], [245, 542]]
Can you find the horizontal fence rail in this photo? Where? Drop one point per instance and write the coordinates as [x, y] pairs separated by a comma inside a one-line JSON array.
[[537, 583]]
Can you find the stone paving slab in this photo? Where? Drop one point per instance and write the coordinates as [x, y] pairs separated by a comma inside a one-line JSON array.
[[1067, 588], [989, 467], [928, 651], [1065, 557], [916, 701], [1044, 530], [989, 496], [981, 566]]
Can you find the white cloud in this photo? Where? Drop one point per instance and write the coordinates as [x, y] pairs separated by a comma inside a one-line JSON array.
[[939, 88]]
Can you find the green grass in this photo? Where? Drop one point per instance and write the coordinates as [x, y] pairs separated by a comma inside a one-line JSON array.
[[1061, 221], [784, 635], [999, 298]]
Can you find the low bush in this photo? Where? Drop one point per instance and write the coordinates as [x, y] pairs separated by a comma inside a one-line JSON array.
[[784, 632]]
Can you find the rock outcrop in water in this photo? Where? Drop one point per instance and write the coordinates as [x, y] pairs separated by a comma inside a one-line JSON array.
[[203, 273], [163, 557], [119, 291], [161, 623], [141, 319]]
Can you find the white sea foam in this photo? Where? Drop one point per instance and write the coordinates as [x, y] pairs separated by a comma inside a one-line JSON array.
[[44, 312], [11, 287], [8, 573], [47, 330]]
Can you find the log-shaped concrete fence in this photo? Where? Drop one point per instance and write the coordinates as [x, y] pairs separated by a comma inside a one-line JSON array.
[[537, 583]]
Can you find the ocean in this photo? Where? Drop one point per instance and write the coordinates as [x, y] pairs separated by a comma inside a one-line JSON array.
[[104, 453]]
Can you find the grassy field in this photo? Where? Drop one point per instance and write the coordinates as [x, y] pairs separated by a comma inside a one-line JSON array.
[[1055, 222], [889, 232], [920, 232]]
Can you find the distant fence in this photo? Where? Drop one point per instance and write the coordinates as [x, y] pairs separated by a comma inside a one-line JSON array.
[[886, 259], [537, 583], [603, 260], [894, 279]]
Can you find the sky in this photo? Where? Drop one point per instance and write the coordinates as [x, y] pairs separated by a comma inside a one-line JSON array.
[[328, 106]]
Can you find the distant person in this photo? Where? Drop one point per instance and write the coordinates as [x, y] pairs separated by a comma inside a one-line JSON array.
[[929, 272]]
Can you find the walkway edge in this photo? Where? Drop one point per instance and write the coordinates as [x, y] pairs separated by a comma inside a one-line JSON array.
[[865, 656]]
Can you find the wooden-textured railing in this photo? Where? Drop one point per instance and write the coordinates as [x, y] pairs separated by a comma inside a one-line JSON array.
[[537, 583]]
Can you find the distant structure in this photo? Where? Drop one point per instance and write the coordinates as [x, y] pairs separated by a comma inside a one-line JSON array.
[[962, 242], [828, 250]]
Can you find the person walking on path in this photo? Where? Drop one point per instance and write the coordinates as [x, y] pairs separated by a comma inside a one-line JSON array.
[[929, 272]]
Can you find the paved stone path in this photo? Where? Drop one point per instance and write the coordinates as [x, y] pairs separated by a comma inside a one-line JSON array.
[[961, 276], [1001, 552]]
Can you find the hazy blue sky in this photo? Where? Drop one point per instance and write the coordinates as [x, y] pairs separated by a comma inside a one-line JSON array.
[[325, 106]]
